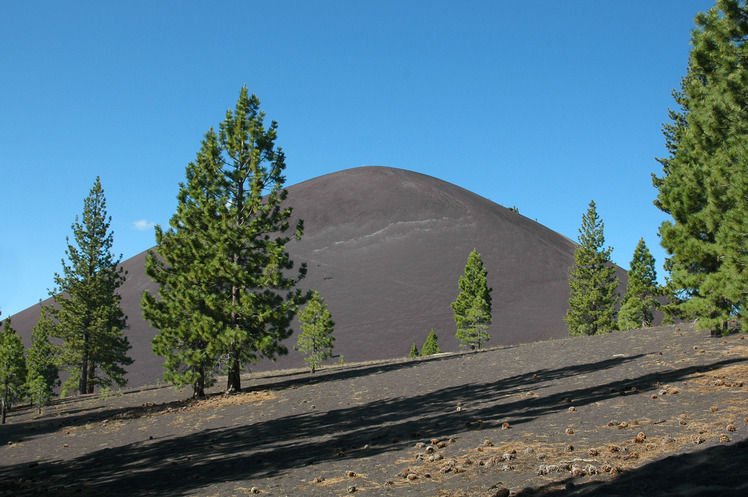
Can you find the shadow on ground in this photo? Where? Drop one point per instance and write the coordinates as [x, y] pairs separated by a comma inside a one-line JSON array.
[[177, 465]]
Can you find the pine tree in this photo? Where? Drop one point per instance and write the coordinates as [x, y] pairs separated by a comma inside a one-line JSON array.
[[592, 281], [431, 346], [12, 368], [704, 186], [89, 318], [228, 294], [42, 373], [317, 326], [413, 352], [472, 309], [639, 303], [185, 268]]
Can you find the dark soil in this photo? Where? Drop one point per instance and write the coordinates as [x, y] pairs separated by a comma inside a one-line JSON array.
[[661, 411]]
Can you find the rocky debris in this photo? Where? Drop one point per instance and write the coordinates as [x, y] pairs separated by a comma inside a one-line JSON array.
[[592, 452], [569, 431], [501, 492], [697, 439], [318, 479], [731, 427], [351, 489], [724, 438], [505, 426], [351, 474]]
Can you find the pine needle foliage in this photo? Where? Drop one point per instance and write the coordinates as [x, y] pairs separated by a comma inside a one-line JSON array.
[[431, 346], [472, 309], [226, 286], [42, 372], [88, 315], [639, 302], [704, 185], [592, 281], [316, 339], [12, 368]]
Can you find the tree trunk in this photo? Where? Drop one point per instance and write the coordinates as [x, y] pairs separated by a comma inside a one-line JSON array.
[[235, 380], [4, 410], [83, 380], [91, 376], [198, 388]]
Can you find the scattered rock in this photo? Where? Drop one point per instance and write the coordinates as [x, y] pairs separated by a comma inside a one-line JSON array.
[[667, 439], [441, 445], [412, 476], [569, 431], [731, 427], [505, 426], [319, 479], [404, 473], [572, 409], [724, 438], [487, 443], [714, 409], [697, 439], [351, 474], [623, 425], [592, 452], [352, 489], [501, 492], [508, 456], [569, 448]]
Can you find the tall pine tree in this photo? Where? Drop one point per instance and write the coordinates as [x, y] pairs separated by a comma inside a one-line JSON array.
[[639, 302], [704, 186], [89, 318], [472, 309], [42, 373], [12, 368], [592, 280], [228, 292]]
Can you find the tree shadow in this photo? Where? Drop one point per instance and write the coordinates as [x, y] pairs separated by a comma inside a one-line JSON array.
[[716, 471]]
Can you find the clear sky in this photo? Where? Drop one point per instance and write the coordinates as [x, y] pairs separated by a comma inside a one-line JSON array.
[[542, 105]]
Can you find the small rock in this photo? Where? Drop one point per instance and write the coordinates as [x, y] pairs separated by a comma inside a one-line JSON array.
[[508, 457], [569, 431], [714, 409], [697, 439], [576, 471], [501, 492], [319, 479], [505, 426], [572, 409], [569, 448], [351, 474], [731, 427], [412, 476], [254, 490], [420, 445], [487, 443], [352, 489], [724, 438], [404, 473], [419, 457], [623, 425], [667, 439], [441, 445], [592, 452]]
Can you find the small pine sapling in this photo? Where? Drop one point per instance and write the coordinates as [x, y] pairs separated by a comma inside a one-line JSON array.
[[316, 337]]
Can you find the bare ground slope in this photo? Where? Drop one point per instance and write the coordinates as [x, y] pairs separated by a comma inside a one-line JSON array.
[[661, 411], [385, 248]]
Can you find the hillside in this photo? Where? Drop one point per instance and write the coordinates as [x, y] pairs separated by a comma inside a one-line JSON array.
[[661, 411], [385, 248]]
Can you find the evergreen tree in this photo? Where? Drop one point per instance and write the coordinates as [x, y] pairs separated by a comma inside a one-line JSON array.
[[316, 337], [42, 373], [592, 280], [431, 346], [639, 303], [413, 352], [704, 186], [90, 320], [186, 269], [472, 309], [227, 291], [12, 368]]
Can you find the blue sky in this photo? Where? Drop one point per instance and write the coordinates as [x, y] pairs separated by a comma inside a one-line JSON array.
[[544, 105]]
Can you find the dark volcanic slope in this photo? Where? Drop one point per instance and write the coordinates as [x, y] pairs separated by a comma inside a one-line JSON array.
[[385, 248]]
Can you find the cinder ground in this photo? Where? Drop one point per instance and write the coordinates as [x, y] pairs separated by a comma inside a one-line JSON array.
[[661, 411]]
